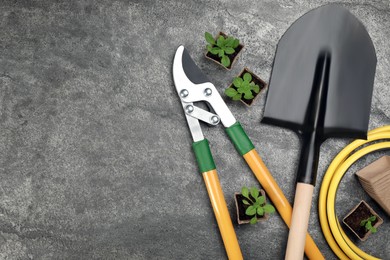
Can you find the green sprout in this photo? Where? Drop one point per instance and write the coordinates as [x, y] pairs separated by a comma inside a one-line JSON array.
[[367, 223], [243, 85], [221, 47], [257, 206]]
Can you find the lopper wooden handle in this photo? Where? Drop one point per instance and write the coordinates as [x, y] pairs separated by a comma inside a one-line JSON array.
[[279, 200], [299, 221], [222, 215]]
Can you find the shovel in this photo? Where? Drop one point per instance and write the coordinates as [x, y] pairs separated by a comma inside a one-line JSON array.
[[320, 87]]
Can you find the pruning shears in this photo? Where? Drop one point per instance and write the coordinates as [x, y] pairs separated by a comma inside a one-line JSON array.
[[193, 86]]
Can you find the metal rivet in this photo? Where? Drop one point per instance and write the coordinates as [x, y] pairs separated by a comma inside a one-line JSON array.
[[214, 120], [189, 109], [184, 93], [208, 91]]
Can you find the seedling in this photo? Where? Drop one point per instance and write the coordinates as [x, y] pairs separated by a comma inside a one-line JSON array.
[[257, 206], [367, 223], [363, 220], [243, 86], [222, 47]]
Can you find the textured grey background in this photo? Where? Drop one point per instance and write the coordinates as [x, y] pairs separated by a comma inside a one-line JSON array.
[[95, 154]]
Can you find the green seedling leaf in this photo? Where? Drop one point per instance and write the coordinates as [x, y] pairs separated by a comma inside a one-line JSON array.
[[221, 53], [231, 92], [237, 82], [223, 43], [229, 41], [246, 202], [225, 61], [220, 41], [269, 208], [254, 192], [372, 218], [368, 225], [229, 50], [247, 77], [244, 88], [250, 211], [237, 97], [261, 200], [260, 211], [235, 44], [248, 84], [248, 95], [209, 38], [373, 230], [214, 50], [245, 192], [363, 222], [253, 220], [256, 88]]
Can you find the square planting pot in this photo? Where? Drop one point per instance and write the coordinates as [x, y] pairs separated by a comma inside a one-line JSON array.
[[257, 80], [375, 179], [356, 215], [233, 57], [242, 218]]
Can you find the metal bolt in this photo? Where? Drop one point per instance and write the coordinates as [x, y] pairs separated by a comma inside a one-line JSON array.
[[214, 120], [208, 91], [189, 109], [184, 93]]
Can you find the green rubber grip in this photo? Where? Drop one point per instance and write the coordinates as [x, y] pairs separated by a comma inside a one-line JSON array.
[[203, 155], [239, 138]]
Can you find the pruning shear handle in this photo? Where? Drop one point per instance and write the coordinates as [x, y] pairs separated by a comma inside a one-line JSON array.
[[214, 190]]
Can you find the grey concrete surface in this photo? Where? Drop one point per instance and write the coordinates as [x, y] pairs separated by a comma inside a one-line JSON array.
[[95, 153]]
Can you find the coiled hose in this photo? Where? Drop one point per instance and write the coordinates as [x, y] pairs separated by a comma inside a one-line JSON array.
[[341, 245]]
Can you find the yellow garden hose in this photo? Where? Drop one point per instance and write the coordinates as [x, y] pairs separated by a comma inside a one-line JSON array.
[[339, 242]]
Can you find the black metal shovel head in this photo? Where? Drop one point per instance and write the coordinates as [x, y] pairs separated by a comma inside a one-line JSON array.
[[323, 75]]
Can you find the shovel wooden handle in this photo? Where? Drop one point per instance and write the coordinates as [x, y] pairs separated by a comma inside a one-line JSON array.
[[299, 222]]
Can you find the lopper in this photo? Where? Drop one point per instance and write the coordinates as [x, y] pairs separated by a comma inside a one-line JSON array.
[[193, 86]]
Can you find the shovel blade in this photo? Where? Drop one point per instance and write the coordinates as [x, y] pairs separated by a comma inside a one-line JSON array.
[[352, 61]]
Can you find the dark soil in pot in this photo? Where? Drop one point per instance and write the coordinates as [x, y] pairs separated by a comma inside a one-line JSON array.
[[257, 80], [361, 212], [241, 208], [232, 57], [242, 218]]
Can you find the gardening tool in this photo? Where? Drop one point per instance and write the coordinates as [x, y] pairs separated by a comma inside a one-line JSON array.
[[321, 87], [193, 86]]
